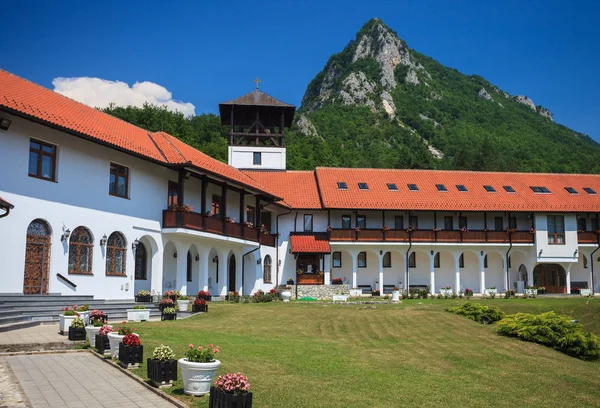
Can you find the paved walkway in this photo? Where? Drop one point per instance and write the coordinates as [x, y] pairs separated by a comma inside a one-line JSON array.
[[78, 380], [44, 333]]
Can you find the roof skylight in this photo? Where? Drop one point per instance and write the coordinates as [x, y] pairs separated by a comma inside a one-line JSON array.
[[363, 186], [392, 187], [509, 189], [571, 190], [461, 187], [540, 189], [589, 190], [441, 187], [413, 187], [342, 185], [489, 189]]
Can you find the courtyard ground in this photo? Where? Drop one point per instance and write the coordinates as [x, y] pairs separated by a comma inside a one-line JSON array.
[[412, 354]]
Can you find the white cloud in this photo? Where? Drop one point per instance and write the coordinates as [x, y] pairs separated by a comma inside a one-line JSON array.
[[97, 92]]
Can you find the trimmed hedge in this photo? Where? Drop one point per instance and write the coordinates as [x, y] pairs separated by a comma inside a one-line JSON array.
[[478, 312], [552, 330]]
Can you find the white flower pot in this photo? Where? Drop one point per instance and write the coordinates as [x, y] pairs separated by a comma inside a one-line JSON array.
[[138, 315], [355, 292], [183, 305], [85, 316], [490, 291], [396, 296], [197, 377], [64, 322], [114, 340], [446, 292], [286, 295], [531, 292], [91, 332]]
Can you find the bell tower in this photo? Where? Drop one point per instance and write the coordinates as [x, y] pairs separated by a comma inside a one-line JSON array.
[[257, 122]]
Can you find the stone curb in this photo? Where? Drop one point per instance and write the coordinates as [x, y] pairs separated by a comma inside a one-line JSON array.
[[15, 381], [141, 381], [28, 353]]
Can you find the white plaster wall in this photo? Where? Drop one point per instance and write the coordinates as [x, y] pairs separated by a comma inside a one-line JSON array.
[[556, 253], [242, 157]]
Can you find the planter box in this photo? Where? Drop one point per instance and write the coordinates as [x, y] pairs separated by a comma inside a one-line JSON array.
[[64, 322], [208, 298], [168, 316], [491, 291], [162, 372], [531, 292], [340, 298], [446, 292], [221, 399], [102, 344], [199, 308], [138, 315], [541, 291], [575, 291], [585, 292], [183, 305], [355, 292], [76, 333], [130, 357], [144, 299], [162, 307]]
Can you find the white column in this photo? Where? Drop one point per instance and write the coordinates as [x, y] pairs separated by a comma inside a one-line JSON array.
[[482, 273], [432, 272], [327, 269], [530, 269], [353, 255], [506, 272], [156, 269], [203, 267], [181, 274], [591, 277], [457, 265], [238, 271], [568, 270], [381, 275], [223, 272]]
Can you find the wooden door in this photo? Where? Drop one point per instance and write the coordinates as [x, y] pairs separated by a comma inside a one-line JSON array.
[[550, 276], [232, 268], [37, 259]]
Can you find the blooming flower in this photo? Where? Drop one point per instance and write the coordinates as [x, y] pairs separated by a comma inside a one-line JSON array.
[[191, 345]]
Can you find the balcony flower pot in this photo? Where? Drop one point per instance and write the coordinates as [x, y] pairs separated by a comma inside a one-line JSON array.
[[130, 357], [76, 333], [64, 322], [102, 344], [395, 296], [138, 315], [162, 373], [199, 308], [286, 295], [222, 399], [197, 377], [183, 305]]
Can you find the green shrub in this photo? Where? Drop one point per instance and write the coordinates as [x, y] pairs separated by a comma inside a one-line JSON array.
[[478, 312], [552, 330]]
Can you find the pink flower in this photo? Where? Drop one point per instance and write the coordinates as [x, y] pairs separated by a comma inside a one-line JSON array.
[[199, 348], [210, 345], [191, 345]]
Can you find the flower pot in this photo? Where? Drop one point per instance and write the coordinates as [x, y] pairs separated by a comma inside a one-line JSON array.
[[575, 291], [199, 308], [163, 306], [222, 399], [138, 315], [531, 292], [355, 292], [491, 291], [76, 333], [143, 299], [541, 291], [197, 377], [162, 372], [115, 340], [64, 322], [85, 316], [205, 297], [446, 292], [102, 344], [91, 332], [130, 357], [165, 316], [183, 305], [286, 295], [396, 296]]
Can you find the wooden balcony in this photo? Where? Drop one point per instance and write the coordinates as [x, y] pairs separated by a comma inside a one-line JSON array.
[[198, 222], [444, 236], [587, 237]]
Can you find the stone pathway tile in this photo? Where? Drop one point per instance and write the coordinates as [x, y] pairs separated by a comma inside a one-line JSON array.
[[45, 333], [78, 380], [10, 394]]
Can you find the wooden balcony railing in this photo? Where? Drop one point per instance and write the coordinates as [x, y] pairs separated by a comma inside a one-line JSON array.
[[199, 222], [310, 279], [470, 236], [587, 237]]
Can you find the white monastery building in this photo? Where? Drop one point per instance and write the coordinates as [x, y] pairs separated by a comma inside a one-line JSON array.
[[92, 205]]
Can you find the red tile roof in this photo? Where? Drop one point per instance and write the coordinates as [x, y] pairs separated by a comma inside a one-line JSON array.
[[297, 188], [5, 204], [314, 243], [24, 98], [378, 196]]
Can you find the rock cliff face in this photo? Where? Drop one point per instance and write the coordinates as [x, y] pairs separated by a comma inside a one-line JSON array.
[[525, 101]]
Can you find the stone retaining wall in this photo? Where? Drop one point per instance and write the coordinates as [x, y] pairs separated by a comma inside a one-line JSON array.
[[320, 292]]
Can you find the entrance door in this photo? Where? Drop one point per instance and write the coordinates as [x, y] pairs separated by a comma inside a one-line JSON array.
[[37, 258], [232, 286], [551, 276]]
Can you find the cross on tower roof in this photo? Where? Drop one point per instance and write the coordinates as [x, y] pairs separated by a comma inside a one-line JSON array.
[[257, 81]]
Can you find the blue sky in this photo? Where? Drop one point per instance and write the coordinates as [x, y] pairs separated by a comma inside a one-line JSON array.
[[205, 52]]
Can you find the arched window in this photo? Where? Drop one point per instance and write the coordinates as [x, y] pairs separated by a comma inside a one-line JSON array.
[[141, 262], [116, 251], [37, 258], [461, 261], [387, 260], [267, 269], [81, 248]]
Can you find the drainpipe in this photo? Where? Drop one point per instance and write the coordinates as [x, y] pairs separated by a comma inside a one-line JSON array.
[[295, 219], [277, 244], [507, 262]]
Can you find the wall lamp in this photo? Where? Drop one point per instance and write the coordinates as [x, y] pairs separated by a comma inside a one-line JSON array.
[[380, 252], [259, 261], [5, 123], [175, 254], [135, 244], [103, 240], [66, 234], [215, 259], [481, 253], [576, 251], [197, 257], [279, 263], [540, 254]]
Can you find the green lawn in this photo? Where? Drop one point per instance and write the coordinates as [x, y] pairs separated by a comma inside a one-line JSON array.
[[412, 354]]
